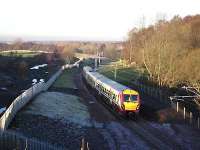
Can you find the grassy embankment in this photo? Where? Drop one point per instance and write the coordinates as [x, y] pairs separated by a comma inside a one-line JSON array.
[[125, 75], [66, 79]]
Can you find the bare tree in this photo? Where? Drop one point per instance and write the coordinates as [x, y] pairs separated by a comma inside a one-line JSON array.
[[168, 50], [68, 53]]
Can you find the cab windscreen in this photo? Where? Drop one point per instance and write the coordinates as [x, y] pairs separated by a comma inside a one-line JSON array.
[[130, 98]]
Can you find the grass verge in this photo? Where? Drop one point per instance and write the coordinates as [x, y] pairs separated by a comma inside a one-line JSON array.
[[19, 54], [66, 79], [125, 75]]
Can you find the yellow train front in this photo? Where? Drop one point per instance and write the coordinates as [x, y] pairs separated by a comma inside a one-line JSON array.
[[130, 101]]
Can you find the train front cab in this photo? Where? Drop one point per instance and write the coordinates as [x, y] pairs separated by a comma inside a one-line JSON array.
[[130, 101]]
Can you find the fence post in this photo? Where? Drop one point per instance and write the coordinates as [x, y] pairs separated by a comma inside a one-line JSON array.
[[26, 146], [82, 144], [149, 90], [177, 106], [165, 97], [190, 117], [184, 113], [143, 88], [152, 92], [88, 146]]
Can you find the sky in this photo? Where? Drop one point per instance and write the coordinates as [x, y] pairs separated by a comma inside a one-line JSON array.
[[85, 19]]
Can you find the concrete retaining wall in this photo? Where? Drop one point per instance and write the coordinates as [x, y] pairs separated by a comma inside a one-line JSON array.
[[26, 96]]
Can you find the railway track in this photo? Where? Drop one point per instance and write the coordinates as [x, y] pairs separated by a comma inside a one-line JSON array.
[[154, 142], [146, 132], [157, 133]]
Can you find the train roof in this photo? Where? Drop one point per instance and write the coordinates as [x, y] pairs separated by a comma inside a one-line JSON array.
[[115, 85]]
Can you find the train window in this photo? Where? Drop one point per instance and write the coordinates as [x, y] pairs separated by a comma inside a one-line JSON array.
[[128, 98], [110, 95]]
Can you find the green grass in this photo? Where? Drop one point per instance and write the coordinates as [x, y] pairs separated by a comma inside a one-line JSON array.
[[19, 54], [125, 75], [66, 79]]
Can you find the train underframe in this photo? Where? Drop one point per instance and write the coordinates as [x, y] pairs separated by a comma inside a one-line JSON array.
[[134, 114]]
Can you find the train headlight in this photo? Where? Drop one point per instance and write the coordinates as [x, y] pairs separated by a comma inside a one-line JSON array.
[[138, 106]]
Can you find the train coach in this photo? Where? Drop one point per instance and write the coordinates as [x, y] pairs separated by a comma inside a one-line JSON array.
[[120, 97]]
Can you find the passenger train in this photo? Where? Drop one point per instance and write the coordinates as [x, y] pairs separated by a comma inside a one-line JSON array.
[[125, 100]]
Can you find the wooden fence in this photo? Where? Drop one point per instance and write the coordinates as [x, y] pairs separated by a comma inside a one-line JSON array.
[[154, 92]]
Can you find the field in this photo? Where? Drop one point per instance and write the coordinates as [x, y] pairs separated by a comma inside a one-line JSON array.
[[124, 75], [16, 74], [19, 53]]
